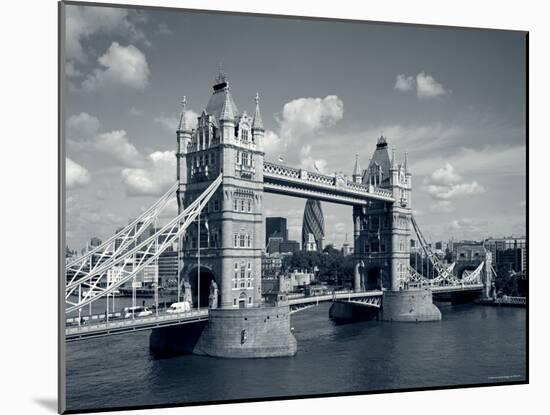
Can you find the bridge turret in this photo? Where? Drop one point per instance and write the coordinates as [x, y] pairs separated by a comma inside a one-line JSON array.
[[258, 125], [357, 175], [183, 137], [227, 119]]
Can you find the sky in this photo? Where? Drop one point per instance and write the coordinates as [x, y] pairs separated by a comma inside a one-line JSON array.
[[454, 99]]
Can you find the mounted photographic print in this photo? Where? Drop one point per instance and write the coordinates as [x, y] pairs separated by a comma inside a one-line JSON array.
[[274, 207]]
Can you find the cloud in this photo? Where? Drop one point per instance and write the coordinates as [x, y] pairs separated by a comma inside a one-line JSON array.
[[84, 22], [170, 123], [152, 179], [309, 163], [442, 206], [445, 175], [71, 71], [427, 87], [445, 184], [84, 221], [466, 226], [120, 65], [75, 175], [300, 121], [163, 29], [273, 144], [82, 125], [310, 115], [404, 83], [116, 145], [135, 112]]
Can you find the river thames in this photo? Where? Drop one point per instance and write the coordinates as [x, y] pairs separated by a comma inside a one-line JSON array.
[[471, 345]]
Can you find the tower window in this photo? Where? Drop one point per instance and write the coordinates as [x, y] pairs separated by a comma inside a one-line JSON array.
[[245, 135]]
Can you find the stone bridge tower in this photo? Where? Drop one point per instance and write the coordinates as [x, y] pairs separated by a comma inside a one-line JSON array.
[[231, 230], [382, 230], [382, 233]]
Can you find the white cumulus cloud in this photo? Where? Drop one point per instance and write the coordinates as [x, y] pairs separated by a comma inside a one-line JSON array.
[[75, 175], [116, 145], [120, 65], [404, 83], [82, 125], [154, 177], [170, 123], [445, 184], [84, 21], [299, 121], [427, 87], [445, 175], [310, 115]]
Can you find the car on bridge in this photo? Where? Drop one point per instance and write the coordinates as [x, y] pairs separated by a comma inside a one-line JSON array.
[[138, 311], [180, 307]]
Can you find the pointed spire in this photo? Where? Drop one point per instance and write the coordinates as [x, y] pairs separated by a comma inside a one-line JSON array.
[[182, 126], [393, 158], [227, 113], [406, 162], [257, 123], [356, 168]]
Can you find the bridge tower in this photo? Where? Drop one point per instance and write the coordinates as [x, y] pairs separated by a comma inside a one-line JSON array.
[[382, 239], [225, 274], [231, 229]]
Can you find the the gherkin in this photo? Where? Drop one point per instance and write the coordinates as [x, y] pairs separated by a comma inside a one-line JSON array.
[[313, 223]]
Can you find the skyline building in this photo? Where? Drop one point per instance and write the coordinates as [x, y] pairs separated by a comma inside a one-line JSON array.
[[276, 227], [313, 224]]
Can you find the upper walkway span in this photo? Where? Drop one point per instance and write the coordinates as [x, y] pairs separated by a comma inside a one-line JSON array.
[[301, 183]]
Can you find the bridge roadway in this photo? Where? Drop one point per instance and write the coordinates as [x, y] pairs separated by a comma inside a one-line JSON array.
[[297, 302], [127, 325]]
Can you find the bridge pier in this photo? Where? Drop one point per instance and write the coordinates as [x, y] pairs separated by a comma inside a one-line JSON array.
[[259, 332], [409, 306]]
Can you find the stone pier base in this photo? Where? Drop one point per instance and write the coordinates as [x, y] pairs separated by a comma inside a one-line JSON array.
[[231, 333], [409, 306]]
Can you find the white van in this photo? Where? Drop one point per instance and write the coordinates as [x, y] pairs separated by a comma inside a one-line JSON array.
[[179, 307], [138, 311]]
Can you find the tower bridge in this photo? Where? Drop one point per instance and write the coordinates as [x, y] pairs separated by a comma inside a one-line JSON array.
[[221, 180]]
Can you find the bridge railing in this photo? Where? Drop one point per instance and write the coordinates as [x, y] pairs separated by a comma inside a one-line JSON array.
[[325, 181], [137, 321]]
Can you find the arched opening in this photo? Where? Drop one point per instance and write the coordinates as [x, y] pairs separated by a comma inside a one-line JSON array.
[[372, 279], [242, 300], [200, 298]]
